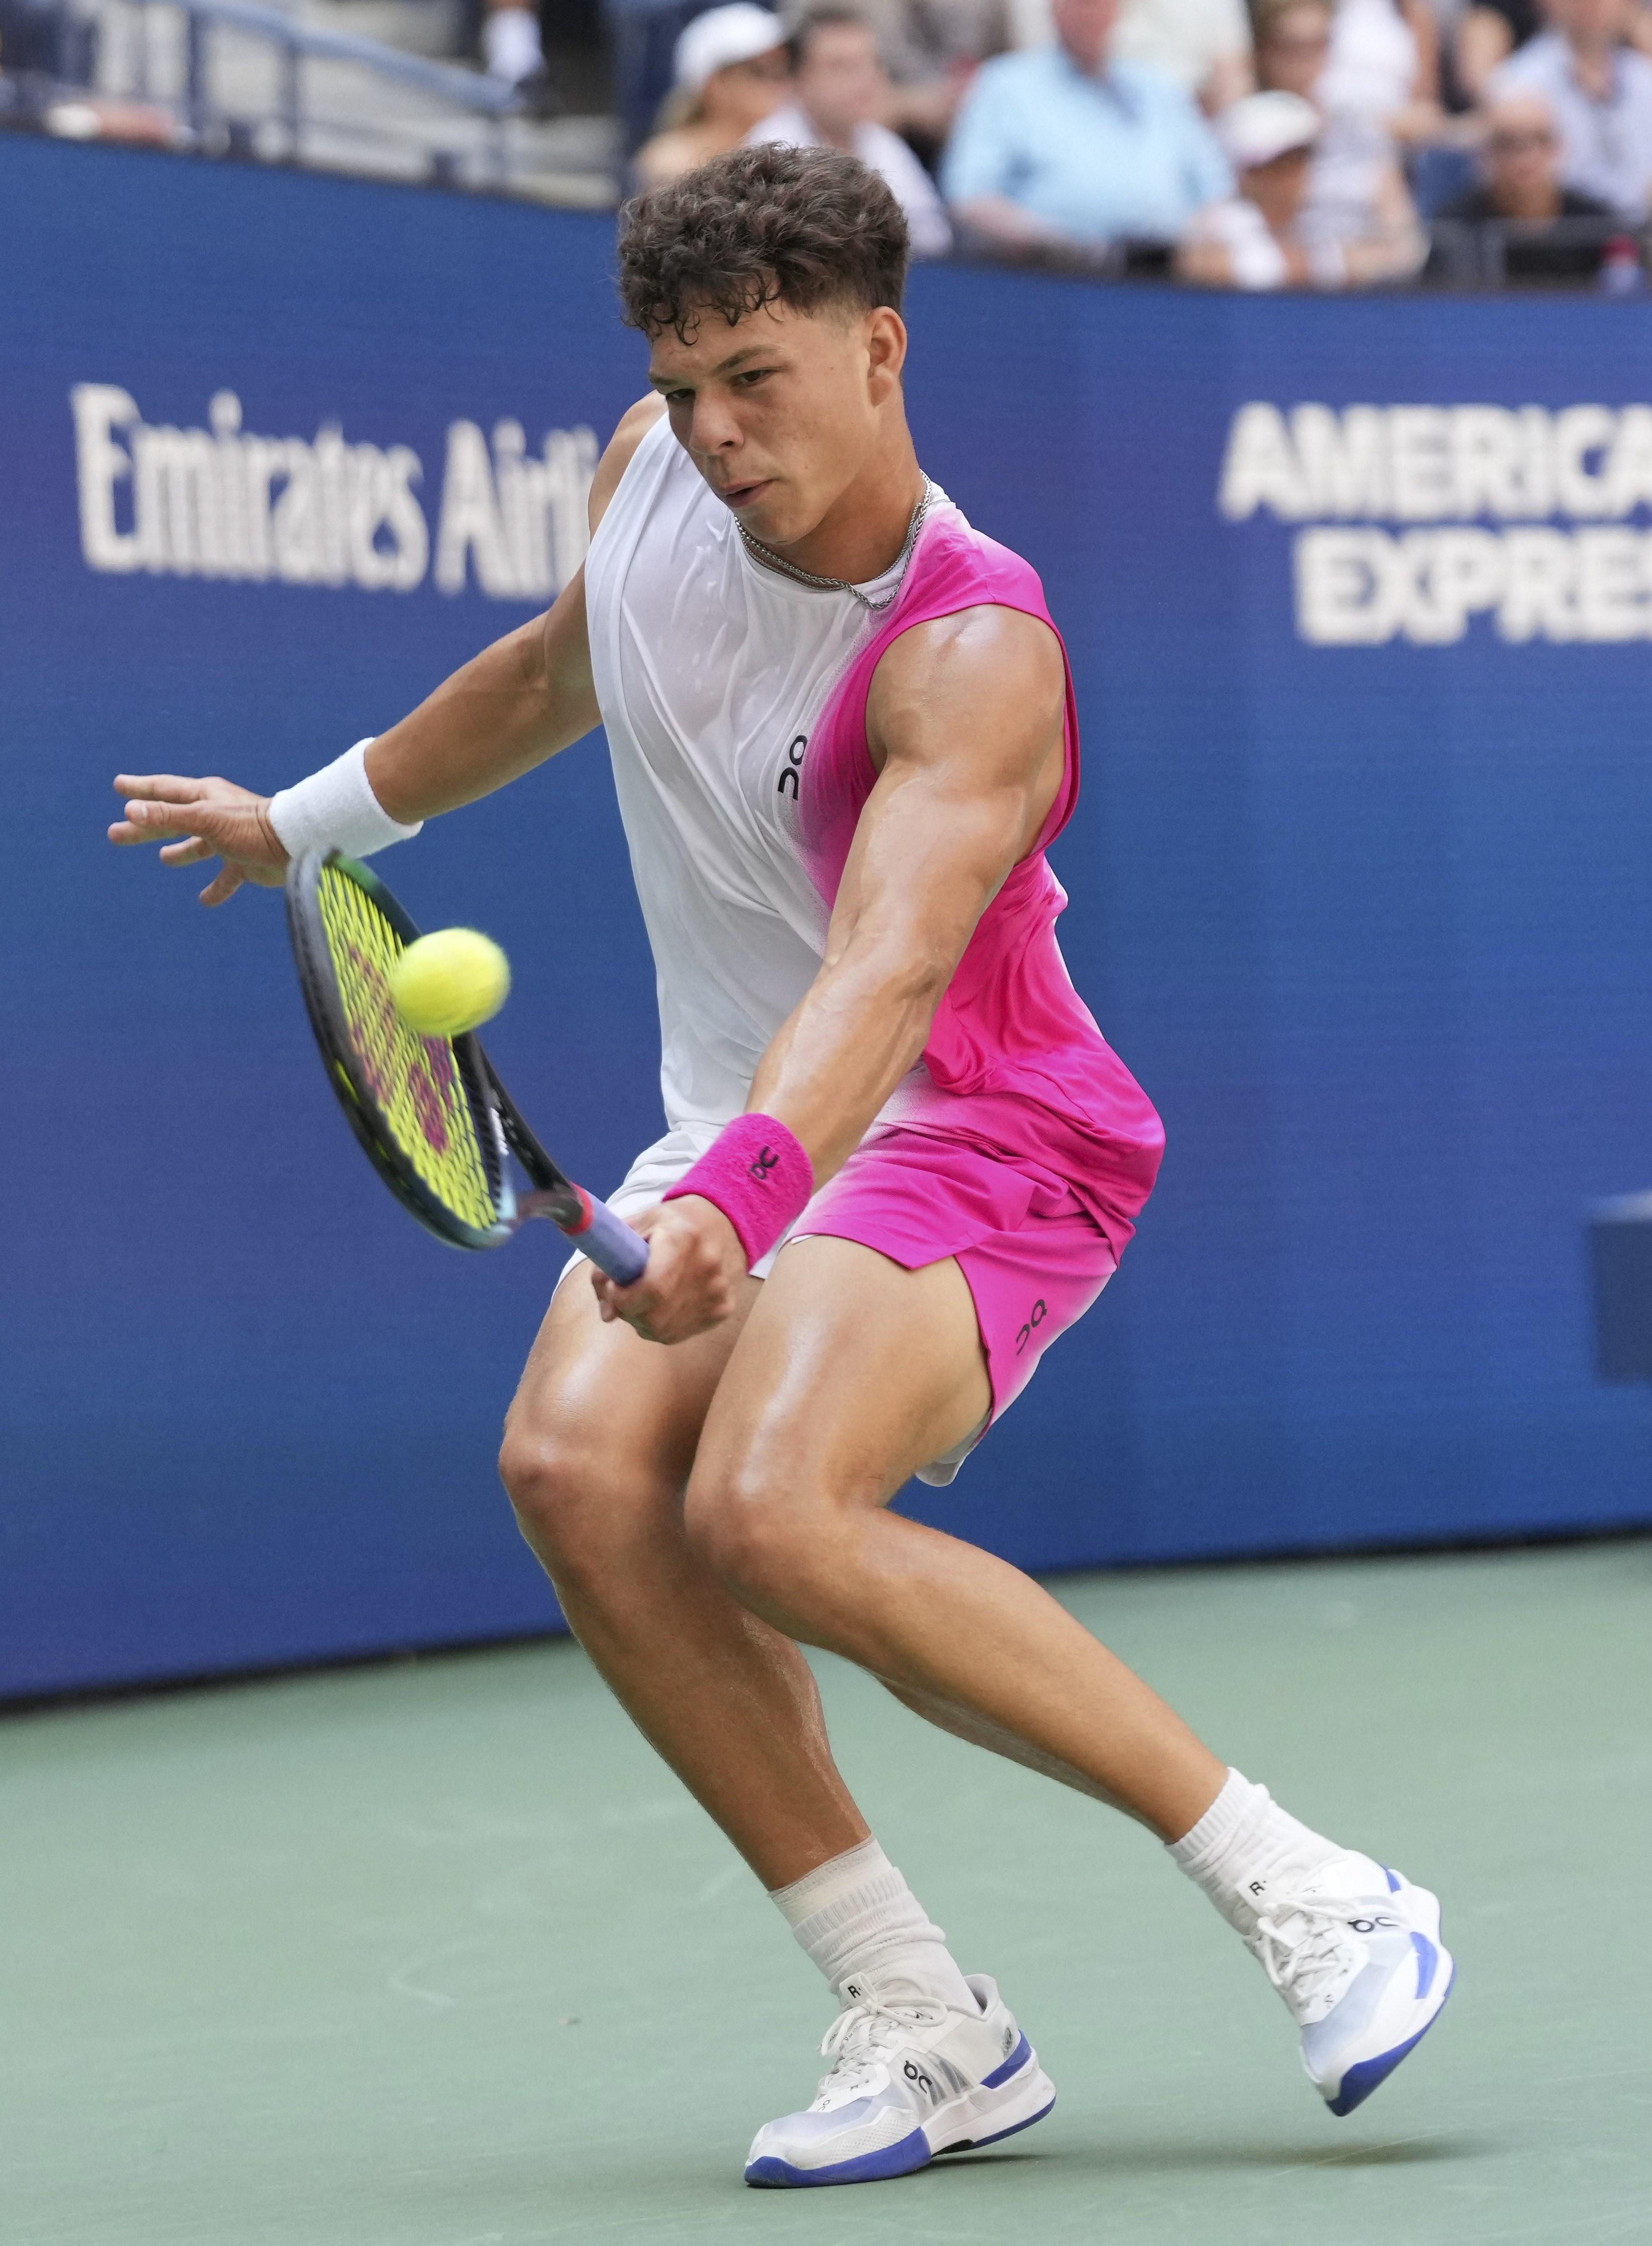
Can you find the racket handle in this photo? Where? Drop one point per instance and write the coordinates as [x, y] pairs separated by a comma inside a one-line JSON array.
[[610, 1243]]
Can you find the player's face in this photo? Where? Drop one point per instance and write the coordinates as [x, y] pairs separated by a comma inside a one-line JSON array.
[[782, 411]]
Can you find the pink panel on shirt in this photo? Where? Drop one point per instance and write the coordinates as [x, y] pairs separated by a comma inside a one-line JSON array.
[[1018, 1065]]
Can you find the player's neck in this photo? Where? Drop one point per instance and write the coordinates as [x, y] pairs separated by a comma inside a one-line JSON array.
[[862, 533]]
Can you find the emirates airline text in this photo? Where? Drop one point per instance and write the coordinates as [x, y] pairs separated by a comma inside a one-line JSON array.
[[220, 501]]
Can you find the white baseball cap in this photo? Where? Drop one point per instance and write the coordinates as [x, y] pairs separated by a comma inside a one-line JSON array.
[[1263, 126], [721, 36]]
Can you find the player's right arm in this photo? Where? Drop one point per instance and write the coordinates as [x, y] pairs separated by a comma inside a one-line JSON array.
[[523, 699]]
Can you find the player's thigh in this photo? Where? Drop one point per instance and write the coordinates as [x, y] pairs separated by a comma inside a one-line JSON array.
[[850, 1373], [601, 1433]]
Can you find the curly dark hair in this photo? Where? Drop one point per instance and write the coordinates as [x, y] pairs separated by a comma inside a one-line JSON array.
[[803, 226]]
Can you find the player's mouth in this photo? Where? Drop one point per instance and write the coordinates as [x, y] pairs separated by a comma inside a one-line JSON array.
[[739, 495]]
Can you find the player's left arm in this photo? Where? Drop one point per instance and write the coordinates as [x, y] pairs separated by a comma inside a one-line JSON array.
[[964, 720], [965, 724]]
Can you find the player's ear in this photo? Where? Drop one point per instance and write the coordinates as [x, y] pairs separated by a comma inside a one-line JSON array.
[[886, 350]]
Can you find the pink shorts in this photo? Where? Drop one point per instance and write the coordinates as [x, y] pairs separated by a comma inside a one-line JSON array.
[[1033, 1258]]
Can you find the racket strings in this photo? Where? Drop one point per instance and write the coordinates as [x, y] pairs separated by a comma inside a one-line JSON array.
[[415, 1081]]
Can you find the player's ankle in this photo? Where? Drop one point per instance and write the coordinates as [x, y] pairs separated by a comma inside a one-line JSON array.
[[864, 1928], [1246, 1847]]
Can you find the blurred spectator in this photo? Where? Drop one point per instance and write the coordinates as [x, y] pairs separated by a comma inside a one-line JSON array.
[[1520, 161], [1357, 208], [1061, 144], [138, 124], [1203, 44], [931, 50], [1599, 93], [1488, 34], [732, 71], [1384, 64], [29, 37], [511, 50], [1253, 240], [840, 88], [1293, 46], [1489, 31]]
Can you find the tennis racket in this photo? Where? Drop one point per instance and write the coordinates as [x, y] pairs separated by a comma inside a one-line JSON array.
[[437, 1124]]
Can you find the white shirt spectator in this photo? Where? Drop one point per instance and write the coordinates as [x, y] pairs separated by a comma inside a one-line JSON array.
[[881, 150], [1254, 258], [1372, 68], [1606, 147], [1187, 39], [1353, 171]]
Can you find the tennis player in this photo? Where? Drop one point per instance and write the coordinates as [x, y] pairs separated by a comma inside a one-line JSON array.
[[900, 1159]]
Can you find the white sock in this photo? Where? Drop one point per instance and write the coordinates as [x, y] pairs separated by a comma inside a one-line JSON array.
[[860, 1921], [510, 44], [1246, 1847]]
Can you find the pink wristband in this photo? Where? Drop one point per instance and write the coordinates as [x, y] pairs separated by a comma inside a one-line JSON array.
[[758, 1175]]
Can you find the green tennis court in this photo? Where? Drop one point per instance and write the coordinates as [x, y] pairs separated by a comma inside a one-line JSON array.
[[437, 1953]]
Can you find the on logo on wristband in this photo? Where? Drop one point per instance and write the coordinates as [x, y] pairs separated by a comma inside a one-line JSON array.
[[752, 1151]]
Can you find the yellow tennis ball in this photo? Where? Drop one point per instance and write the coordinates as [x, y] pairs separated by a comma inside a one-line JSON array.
[[450, 982]]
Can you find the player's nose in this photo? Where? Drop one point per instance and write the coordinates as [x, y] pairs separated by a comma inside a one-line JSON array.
[[714, 428]]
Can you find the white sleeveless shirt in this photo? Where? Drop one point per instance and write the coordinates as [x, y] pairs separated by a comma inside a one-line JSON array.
[[711, 670]]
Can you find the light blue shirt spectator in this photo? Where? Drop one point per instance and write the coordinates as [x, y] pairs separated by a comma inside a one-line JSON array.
[[1083, 156]]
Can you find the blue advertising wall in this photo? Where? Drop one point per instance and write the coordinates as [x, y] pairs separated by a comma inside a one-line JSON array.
[[1359, 889]]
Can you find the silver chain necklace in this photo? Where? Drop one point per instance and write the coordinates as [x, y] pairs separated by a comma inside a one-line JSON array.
[[771, 560]]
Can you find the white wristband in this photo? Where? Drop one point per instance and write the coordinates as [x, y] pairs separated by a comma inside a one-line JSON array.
[[335, 809]]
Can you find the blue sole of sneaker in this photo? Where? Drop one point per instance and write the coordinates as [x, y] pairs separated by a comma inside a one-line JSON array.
[[975, 2144], [912, 2153], [1370, 2074], [889, 2160]]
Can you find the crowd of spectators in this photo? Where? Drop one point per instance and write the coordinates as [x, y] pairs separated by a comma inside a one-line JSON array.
[[1249, 143], [1294, 143]]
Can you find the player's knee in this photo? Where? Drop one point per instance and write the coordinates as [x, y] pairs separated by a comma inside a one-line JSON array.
[[567, 1499], [763, 1539]]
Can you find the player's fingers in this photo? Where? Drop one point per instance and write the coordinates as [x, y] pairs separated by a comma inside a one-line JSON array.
[[159, 822], [224, 887], [183, 822], [166, 787], [186, 854], [614, 1302]]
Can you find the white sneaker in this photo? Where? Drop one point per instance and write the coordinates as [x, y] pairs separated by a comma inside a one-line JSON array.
[[1355, 1951], [910, 2079]]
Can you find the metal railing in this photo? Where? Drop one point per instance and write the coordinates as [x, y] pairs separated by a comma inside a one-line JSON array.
[[1491, 253], [235, 76]]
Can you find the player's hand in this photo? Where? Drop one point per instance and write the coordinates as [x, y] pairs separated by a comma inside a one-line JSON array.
[[198, 818], [694, 1280]]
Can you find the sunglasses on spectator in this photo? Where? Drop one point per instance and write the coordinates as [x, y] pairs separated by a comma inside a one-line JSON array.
[[1517, 143]]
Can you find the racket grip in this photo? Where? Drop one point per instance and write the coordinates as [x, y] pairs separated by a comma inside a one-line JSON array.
[[610, 1244]]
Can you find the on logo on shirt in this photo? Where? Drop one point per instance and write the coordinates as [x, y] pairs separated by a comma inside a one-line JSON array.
[[790, 769]]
